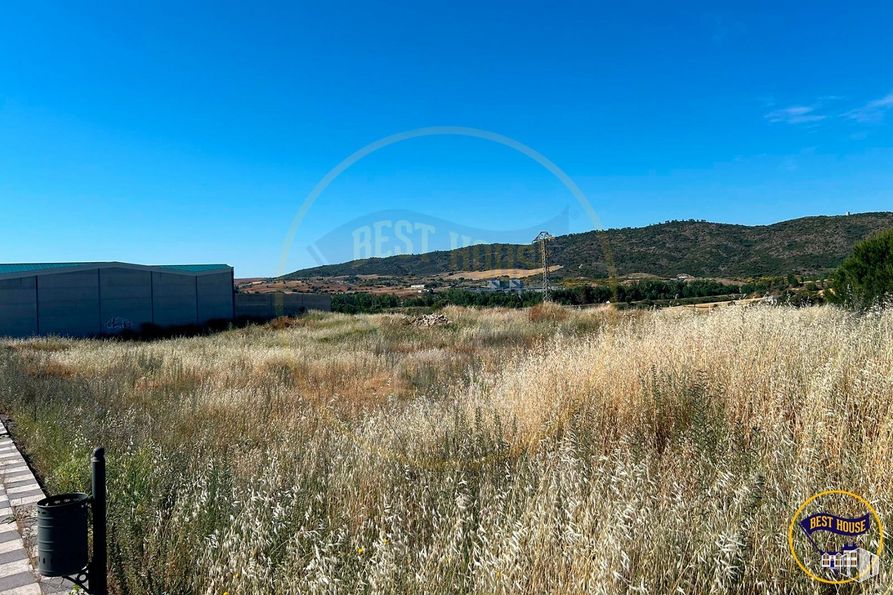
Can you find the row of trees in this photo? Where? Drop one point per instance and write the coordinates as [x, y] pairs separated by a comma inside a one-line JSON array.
[[647, 290], [355, 303]]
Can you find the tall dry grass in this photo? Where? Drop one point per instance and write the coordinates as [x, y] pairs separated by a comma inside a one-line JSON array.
[[512, 451]]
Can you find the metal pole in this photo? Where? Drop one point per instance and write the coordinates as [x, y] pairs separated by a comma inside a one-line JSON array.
[[543, 237], [98, 565]]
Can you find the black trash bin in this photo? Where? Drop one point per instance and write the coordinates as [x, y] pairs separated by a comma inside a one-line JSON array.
[[62, 534]]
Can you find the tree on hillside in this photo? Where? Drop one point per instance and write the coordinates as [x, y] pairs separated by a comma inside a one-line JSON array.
[[865, 279]]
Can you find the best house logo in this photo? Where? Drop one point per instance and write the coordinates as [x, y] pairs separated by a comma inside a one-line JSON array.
[[383, 234], [399, 232], [836, 537]]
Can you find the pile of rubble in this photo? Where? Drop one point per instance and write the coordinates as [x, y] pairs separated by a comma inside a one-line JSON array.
[[431, 320]]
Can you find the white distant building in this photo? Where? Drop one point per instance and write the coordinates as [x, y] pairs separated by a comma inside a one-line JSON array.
[[502, 285]]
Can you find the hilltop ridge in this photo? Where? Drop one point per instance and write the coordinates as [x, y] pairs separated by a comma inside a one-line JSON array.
[[805, 246]]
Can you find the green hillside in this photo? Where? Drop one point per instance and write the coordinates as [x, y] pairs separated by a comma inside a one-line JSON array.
[[807, 246]]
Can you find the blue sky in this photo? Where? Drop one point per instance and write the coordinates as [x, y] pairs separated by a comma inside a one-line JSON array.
[[164, 133]]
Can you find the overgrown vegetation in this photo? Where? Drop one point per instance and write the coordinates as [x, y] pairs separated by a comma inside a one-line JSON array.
[[649, 289], [580, 294], [541, 450], [865, 279]]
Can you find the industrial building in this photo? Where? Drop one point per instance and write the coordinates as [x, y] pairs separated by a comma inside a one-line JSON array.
[[82, 299]]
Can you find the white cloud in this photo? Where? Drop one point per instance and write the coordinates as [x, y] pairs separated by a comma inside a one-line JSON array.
[[796, 114], [873, 111]]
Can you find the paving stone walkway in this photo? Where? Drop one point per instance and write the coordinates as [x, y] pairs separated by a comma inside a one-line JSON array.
[[19, 492]]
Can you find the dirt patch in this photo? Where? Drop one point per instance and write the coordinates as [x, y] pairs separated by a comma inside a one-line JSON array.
[[429, 320], [48, 344], [547, 312], [494, 273], [51, 368]]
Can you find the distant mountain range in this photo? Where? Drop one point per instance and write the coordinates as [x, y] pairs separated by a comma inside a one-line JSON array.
[[807, 246]]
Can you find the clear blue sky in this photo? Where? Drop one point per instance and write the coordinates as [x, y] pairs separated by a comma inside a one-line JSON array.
[[157, 132]]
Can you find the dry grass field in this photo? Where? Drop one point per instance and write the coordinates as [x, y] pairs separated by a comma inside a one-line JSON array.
[[525, 451]]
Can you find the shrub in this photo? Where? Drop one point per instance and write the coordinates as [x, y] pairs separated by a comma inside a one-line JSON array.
[[865, 279]]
